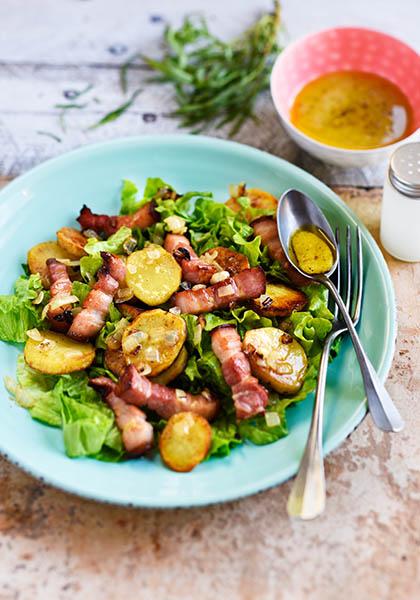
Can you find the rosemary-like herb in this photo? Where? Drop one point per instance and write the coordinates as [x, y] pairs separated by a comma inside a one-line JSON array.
[[215, 81]]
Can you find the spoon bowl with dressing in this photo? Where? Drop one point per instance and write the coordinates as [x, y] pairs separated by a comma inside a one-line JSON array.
[[349, 95], [310, 246]]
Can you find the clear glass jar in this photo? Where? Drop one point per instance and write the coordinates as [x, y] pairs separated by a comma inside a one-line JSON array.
[[400, 219]]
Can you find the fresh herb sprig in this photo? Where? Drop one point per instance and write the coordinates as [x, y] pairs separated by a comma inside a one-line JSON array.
[[215, 81]]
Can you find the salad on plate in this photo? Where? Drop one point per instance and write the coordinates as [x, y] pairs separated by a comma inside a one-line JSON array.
[[177, 325]]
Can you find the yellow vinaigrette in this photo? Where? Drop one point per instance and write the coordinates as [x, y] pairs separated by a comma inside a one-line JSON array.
[[312, 252], [353, 110]]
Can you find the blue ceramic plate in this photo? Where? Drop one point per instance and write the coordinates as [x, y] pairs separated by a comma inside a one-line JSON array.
[[34, 206]]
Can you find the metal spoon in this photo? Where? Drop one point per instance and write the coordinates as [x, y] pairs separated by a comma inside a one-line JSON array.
[[295, 211]]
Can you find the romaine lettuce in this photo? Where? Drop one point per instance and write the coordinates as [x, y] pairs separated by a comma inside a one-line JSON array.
[[17, 311]]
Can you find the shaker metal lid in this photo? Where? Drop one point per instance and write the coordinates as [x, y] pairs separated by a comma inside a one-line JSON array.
[[404, 169]]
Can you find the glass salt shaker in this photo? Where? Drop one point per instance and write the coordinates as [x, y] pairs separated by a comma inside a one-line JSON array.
[[400, 220]]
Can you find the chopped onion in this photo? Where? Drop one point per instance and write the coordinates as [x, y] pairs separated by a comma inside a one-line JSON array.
[[39, 298], [130, 245], [68, 262], [57, 302], [90, 233], [134, 340], [198, 331], [123, 295], [175, 224], [220, 276], [175, 310], [226, 290], [272, 419], [181, 394], [171, 338], [144, 370], [199, 286], [152, 354], [34, 335]]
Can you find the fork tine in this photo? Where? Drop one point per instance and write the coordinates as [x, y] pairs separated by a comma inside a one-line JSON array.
[[358, 277], [337, 271], [348, 267]]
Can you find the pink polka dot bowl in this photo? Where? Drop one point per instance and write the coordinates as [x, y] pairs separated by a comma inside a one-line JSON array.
[[339, 49]]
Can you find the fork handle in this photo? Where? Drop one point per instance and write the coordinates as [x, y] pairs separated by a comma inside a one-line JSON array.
[[307, 496], [384, 412]]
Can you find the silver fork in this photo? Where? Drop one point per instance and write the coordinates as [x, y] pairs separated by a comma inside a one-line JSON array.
[[307, 497]]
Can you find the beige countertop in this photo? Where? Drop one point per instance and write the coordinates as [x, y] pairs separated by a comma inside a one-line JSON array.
[[366, 545]]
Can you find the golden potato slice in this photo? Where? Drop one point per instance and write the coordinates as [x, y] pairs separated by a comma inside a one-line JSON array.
[[258, 199], [279, 301], [153, 274], [39, 254], [276, 358], [229, 260], [153, 341], [185, 441], [72, 241], [174, 370], [56, 354], [115, 361]]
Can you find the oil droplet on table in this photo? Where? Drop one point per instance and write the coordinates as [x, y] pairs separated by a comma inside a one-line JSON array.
[[352, 109]]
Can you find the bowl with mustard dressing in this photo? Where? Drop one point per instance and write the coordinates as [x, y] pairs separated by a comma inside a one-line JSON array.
[[348, 95]]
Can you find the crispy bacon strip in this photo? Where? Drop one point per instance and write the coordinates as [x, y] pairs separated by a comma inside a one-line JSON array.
[[96, 305], [193, 268], [60, 317], [266, 227], [249, 283], [137, 389], [136, 432], [107, 225], [249, 396]]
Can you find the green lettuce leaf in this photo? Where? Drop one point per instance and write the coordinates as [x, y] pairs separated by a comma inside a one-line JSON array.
[[113, 244], [256, 429], [17, 311], [129, 202], [67, 401], [224, 437], [89, 266]]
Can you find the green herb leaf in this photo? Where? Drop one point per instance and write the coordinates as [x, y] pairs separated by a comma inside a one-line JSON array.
[[116, 113]]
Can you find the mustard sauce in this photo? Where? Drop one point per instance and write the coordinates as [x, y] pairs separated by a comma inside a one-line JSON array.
[[353, 110], [312, 251]]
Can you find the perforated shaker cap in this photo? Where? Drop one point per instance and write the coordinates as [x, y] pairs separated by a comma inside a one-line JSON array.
[[404, 170]]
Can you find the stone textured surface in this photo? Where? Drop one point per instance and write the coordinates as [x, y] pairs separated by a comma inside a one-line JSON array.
[[365, 547]]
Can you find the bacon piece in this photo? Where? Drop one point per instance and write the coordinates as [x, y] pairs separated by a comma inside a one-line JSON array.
[[60, 317], [266, 228], [249, 396], [107, 225], [193, 268], [136, 432], [165, 401], [249, 283], [91, 319]]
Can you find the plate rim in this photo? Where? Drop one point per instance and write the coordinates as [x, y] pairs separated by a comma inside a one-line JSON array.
[[337, 438]]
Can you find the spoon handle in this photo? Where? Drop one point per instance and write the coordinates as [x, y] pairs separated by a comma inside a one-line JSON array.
[[384, 412], [308, 494]]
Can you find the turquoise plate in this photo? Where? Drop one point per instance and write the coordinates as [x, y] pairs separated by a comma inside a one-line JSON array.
[[34, 206]]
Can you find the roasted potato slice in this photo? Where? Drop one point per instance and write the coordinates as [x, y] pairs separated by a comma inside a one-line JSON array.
[[72, 241], [185, 441], [115, 361], [153, 274], [174, 370], [39, 254], [56, 354], [276, 358], [279, 301], [153, 341], [258, 198], [229, 260]]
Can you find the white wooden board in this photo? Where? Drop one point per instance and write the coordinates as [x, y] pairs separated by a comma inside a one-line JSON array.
[[48, 47]]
